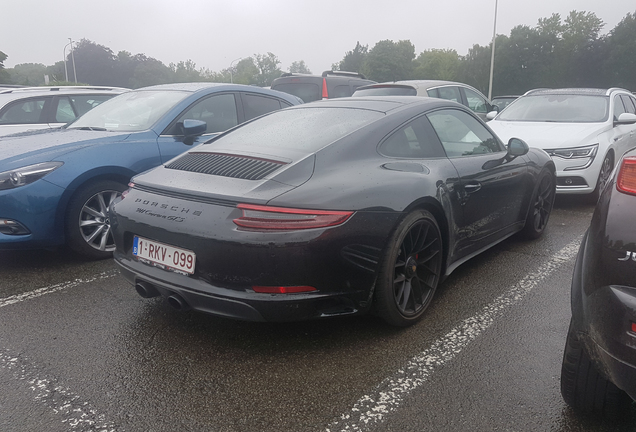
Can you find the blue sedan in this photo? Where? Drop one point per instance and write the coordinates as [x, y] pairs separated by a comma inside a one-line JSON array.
[[56, 187]]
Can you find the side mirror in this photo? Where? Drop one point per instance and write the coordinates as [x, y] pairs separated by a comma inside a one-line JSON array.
[[517, 147], [626, 118], [191, 128], [491, 115]]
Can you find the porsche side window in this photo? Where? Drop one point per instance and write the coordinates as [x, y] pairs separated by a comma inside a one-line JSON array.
[[461, 134], [415, 140]]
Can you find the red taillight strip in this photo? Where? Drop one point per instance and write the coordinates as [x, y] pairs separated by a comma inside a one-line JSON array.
[[267, 218], [282, 289], [634, 327], [325, 93], [626, 181]]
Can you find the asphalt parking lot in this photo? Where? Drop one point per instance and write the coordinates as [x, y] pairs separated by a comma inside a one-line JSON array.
[[81, 351]]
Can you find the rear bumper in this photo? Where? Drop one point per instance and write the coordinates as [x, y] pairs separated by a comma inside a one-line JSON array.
[[244, 305]]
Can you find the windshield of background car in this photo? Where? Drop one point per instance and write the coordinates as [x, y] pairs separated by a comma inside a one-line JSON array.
[[307, 129], [130, 112], [386, 91], [565, 108], [306, 91]]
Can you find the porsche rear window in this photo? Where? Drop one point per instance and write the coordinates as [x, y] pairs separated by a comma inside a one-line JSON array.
[[305, 129]]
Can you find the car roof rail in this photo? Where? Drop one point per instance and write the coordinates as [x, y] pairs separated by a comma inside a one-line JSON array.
[[288, 74], [610, 90], [344, 73], [58, 88]]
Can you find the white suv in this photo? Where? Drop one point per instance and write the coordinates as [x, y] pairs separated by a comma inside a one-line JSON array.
[[584, 130], [29, 108]]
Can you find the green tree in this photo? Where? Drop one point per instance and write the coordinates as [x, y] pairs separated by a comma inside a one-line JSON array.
[[353, 60], [246, 72], [28, 74], [150, 71], [185, 72], [390, 61], [4, 75], [299, 67], [440, 64], [94, 63], [475, 67], [268, 70], [620, 66]]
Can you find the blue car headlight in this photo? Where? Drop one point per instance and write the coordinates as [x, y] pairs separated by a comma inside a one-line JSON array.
[[25, 175]]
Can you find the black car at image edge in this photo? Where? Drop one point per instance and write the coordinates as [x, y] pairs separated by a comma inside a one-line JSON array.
[[343, 206], [599, 362]]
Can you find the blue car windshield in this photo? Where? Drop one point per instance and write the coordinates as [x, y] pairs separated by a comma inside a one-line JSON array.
[[560, 108], [130, 112]]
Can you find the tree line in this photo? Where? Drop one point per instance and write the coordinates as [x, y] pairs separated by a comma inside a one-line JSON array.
[[557, 52]]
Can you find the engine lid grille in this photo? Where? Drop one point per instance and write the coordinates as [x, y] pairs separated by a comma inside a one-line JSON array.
[[226, 165]]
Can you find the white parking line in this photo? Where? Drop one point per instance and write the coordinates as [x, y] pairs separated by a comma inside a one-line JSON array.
[[373, 408], [54, 288], [78, 415]]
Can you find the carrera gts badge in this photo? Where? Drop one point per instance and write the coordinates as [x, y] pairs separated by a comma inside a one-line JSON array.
[[628, 255]]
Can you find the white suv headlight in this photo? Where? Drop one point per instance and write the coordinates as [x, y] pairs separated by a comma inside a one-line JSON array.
[[575, 152], [586, 152], [25, 175]]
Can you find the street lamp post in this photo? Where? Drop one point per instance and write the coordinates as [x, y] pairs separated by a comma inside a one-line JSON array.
[[73, 57], [492, 54], [65, 69], [231, 78]]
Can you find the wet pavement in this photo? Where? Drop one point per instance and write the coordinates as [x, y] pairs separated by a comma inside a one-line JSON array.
[[81, 351]]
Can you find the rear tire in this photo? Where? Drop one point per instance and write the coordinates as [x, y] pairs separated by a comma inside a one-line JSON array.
[[87, 222], [584, 388], [410, 270]]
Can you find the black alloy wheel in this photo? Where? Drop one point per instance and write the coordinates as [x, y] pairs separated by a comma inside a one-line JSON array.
[[411, 270], [87, 221], [540, 206]]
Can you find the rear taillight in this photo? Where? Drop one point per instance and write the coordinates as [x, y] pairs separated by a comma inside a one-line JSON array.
[[264, 218], [325, 93], [127, 191], [626, 181], [282, 289], [634, 327]]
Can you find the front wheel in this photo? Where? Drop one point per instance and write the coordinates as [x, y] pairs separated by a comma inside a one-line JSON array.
[[87, 221], [410, 270], [603, 177], [540, 206]]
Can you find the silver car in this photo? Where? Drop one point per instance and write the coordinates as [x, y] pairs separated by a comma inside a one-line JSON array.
[[29, 108]]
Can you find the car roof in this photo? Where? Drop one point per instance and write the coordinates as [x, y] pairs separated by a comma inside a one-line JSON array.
[[576, 91], [379, 103], [423, 84], [194, 87], [8, 95]]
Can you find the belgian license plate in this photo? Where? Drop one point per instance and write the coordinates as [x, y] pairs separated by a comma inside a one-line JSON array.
[[164, 256]]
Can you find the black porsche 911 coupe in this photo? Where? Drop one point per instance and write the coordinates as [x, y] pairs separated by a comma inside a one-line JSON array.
[[330, 208]]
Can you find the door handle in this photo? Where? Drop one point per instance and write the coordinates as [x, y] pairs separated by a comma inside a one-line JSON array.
[[472, 187]]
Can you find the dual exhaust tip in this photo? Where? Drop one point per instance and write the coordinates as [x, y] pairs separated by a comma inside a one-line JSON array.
[[147, 290]]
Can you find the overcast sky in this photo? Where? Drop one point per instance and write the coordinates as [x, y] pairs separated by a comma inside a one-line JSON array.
[[214, 33]]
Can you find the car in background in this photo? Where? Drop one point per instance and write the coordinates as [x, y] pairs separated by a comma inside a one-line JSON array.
[[30, 108], [329, 85], [56, 186], [502, 101], [584, 130], [329, 208], [599, 363], [453, 91]]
